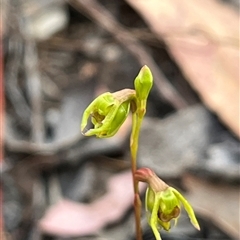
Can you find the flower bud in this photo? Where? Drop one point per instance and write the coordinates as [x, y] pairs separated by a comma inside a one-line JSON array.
[[143, 83]]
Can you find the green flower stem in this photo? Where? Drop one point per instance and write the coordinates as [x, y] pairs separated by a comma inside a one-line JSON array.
[[136, 125], [137, 211]]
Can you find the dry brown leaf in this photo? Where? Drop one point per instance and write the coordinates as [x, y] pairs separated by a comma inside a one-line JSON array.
[[203, 38]]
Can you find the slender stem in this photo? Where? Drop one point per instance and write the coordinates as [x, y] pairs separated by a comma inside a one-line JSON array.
[[136, 125]]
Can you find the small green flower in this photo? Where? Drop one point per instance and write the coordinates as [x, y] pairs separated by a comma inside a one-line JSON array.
[[107, 112], [163, 203]]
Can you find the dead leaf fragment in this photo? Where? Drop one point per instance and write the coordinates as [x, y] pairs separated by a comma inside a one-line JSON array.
[[68, 218], [203, 38]]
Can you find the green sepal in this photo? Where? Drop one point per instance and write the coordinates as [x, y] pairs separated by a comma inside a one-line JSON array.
[[187, 207]]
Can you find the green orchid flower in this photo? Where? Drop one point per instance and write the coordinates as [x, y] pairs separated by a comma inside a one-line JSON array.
[[107, 112], [163, 203]]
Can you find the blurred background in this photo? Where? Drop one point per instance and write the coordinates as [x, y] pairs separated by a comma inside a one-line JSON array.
[[58, 56]]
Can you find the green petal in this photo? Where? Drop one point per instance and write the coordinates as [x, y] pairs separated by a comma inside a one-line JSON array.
[[149, 199], [99, 104], [154, 217], [187, 207], [165, 225], [105, 127], [168, 201], [120, 117]]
